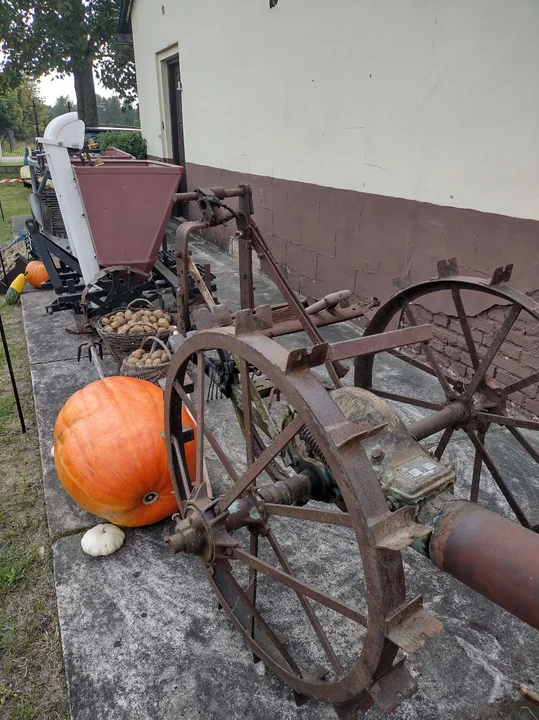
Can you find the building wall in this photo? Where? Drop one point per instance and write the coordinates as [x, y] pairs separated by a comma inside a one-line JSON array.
[[379, 135]]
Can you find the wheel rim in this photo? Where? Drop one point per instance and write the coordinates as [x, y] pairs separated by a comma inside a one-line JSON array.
[[349, 466], [484, 397]]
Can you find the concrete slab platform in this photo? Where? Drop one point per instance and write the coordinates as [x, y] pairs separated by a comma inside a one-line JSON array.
[[46, 334], [141, 633]]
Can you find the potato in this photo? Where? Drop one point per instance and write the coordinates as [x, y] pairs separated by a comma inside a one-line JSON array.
[[114, 325], [156, 354], [120, 316], [163, 323], [105, 321], [132, 360], [158, 314], [108, 328], [122, 330], [149, 361], [152, 318], [121, 321], [166, 316], [138, 353], [136, 316], [128, 314], [145, 356], [157, 361], [134, 329]]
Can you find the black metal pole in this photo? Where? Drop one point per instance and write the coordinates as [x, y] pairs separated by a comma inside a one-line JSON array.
[[3, 270], [12, 376], [35, 117]]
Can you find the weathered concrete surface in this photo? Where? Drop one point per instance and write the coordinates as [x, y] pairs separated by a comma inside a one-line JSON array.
[[141, 633]]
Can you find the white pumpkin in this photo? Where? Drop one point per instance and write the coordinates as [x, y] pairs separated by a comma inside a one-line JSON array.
[[102, 540]]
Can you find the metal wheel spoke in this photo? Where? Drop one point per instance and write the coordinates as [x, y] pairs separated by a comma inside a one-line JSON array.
[[477, 466], [417, 402], [448, 391], [264, 627], [520, 385], [200, 417], [301, 587], [524, 443], [465, 325], [261, 462], [185, 482], [500, 482], [327, 517], [247, 409], [508, 421], [253, 580], [444, 441], [218, 450], [484, 365], [315, 622]]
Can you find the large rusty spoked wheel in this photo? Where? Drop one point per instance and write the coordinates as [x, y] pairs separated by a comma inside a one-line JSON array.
[[255, 576], [476, 389]]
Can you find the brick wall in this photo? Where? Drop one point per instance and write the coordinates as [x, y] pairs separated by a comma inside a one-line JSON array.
[[327, 239], [517, 358]]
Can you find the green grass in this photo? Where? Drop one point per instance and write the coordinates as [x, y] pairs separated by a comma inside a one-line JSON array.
[[32, 683], [14, 199]]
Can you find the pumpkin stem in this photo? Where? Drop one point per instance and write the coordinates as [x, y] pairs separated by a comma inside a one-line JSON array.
[[150, 498]]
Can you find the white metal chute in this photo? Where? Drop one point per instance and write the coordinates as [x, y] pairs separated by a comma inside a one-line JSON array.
[[61, 134]]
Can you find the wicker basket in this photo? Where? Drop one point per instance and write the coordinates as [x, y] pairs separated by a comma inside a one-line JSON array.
[[152, 373], [121, 346]]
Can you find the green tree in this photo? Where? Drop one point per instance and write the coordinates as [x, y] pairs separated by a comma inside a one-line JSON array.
[[67, 37], [22, 112], [62, 105], [112, 112]]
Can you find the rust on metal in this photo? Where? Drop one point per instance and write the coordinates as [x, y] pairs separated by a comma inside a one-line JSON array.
[[397, 530], [502, 274], [497, 558]]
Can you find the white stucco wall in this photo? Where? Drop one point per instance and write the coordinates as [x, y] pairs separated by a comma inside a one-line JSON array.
[[432, 100]]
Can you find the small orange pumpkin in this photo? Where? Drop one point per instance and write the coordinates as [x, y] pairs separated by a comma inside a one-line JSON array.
[[110, 455], [36, 273]]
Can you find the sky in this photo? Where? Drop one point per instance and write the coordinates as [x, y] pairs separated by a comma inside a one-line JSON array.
[[51, 87]]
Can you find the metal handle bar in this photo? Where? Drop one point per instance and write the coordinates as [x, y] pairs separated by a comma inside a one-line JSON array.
[[219, 193]]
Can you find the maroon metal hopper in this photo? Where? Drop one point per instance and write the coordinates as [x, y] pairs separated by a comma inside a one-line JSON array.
[[127, 205]]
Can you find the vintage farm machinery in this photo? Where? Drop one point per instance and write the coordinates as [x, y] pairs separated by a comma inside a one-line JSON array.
[[307, 443], [99, 230]]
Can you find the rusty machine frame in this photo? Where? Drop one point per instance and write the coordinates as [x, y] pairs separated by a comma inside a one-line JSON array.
[[317, 450]]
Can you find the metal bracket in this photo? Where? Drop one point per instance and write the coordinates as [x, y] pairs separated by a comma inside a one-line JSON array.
[[389, 691], [248, 321], [409, 625], [447, 268], [304, 358], [346, 432], [501, 274], [397, 530]]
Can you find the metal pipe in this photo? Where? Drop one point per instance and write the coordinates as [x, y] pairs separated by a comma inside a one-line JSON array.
[[494, 556], [219, 193], [431, 424]]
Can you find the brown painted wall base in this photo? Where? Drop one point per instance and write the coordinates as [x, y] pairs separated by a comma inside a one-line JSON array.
[[328, 239]]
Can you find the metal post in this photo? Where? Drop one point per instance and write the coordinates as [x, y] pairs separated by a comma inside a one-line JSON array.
[[11, 375]]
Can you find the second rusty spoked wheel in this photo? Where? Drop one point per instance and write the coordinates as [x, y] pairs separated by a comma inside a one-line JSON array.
[[316, 593], [475, 387]]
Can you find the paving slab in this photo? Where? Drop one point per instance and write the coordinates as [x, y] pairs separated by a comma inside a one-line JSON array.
[[141, 633]]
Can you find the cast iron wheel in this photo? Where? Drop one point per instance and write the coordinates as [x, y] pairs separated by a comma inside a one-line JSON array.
[[238, 575], [481, 398], [115, 287]]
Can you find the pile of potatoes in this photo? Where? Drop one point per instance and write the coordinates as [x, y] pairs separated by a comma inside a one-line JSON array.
[[141, 358], [130, 322]]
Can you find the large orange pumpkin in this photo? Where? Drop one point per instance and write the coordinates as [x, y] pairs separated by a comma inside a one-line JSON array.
[[110, 455], [36, 273]]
